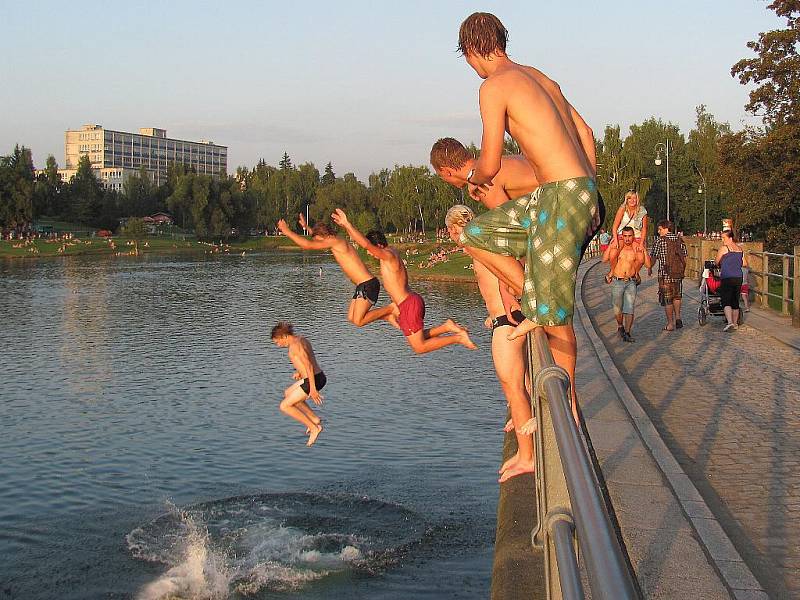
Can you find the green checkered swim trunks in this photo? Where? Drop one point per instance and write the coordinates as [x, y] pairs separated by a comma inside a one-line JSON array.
[[548, 227]]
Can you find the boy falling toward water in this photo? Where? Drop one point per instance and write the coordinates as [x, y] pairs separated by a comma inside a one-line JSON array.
[[368, 287], [310, 376], [410, 305]]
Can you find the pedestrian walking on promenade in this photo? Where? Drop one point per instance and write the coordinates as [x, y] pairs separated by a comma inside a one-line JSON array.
[[731, 260], [670, 252], [624, 278]]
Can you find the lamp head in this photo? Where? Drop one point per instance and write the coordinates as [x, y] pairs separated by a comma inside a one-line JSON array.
[[658, 159]]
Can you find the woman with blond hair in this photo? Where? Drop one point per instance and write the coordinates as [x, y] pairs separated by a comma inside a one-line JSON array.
[[631, 214]]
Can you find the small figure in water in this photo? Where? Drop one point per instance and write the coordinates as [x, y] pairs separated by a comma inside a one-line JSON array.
[[310, 378], [410, 305], [361, 311]]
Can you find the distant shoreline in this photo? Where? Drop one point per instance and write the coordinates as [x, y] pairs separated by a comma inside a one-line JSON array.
[[449, 271]]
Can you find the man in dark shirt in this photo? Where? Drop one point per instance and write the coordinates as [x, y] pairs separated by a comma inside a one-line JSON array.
[[670, 288]]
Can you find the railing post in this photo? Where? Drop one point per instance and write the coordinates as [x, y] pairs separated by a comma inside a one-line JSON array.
[[785, 280], [796, 288], [764, 280]]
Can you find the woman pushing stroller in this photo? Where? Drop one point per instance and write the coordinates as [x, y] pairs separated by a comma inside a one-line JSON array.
[[730, 259]]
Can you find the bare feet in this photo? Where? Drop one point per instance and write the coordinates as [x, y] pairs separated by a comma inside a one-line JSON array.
[[509, 463], [314, 435], [529, 427], [317, 422], [392, 319], [453, 327], [523, 329], [465, 341], [517, 468], [509, 426]]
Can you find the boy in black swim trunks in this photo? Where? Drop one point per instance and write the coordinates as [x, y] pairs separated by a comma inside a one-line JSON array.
[[361, 311], [311, 380]]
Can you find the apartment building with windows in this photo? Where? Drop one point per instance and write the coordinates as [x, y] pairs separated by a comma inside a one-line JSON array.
[[116, 155]]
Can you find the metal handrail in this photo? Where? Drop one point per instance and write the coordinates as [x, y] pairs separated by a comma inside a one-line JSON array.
[[608, 572]]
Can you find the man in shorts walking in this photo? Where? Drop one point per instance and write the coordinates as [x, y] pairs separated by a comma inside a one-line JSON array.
[[670, 252], [551, 226], [361, 310], [410, 305], [311, 379], [626, 262]]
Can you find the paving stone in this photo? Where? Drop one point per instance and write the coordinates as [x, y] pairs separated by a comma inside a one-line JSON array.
[[728, 408]]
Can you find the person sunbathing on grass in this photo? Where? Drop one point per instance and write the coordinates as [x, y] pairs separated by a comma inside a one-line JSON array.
[[410, 305], [362, 309]]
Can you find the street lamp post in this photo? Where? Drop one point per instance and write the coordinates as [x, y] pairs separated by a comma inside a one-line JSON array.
[[700, 190], [664, 147]]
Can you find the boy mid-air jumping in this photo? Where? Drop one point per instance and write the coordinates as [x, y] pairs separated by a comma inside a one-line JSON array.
[[361, 311], [410, 305], [310, 376]]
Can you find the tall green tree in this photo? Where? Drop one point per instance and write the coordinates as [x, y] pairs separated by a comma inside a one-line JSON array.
[[776, 69], [329, 176], [760, 169], [47, 191], [16, 188], [286, 162], [86, 194]]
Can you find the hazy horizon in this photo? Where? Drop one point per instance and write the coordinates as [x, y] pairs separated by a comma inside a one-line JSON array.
[[364, 87]]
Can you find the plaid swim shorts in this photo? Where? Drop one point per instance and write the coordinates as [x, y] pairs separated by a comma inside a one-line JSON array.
[[669, 291], [549, 228]]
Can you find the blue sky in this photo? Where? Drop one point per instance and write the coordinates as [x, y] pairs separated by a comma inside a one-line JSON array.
[[363, 84]]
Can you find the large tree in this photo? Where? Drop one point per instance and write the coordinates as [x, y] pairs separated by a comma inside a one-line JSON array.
[[760, 169], [16, 188]]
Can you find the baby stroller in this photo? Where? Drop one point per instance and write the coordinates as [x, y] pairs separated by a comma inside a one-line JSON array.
[[710, 301]]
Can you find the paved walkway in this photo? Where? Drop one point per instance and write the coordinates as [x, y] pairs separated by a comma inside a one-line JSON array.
[[728, 407]]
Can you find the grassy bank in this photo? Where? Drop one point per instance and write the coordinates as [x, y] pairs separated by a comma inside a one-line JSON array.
[[121, 246], [452, 266]]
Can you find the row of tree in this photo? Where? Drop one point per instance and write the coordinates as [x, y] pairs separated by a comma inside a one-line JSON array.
[[752, 175]]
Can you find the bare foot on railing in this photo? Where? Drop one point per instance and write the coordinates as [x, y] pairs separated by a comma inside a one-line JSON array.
[[518, 468], [509, 426]]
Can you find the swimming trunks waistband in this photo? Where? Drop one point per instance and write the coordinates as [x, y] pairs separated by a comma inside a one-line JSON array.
[[503, 320], [369, 290], [319, 380]]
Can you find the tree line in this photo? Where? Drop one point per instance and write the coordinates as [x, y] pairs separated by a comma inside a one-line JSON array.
[[752, 175]]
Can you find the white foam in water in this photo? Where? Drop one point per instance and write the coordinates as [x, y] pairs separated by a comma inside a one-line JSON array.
[[265, 554], [201, 574]]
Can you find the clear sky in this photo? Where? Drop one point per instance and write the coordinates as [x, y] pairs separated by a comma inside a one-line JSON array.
[[364, 84]]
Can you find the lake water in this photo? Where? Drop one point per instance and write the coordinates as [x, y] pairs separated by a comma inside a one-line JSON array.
[[142, 454]]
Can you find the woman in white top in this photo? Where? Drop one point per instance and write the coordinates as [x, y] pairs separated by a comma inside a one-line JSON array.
[[631, 214]]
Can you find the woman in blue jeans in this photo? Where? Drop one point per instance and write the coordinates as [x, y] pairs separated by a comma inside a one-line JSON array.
[[730, 259]]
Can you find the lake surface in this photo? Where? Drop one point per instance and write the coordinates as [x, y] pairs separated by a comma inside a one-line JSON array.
[[142, 453]]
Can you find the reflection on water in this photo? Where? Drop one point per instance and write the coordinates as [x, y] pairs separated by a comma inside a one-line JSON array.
[[133, 385]]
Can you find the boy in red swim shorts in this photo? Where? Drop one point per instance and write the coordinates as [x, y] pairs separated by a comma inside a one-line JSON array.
[[410, 305]]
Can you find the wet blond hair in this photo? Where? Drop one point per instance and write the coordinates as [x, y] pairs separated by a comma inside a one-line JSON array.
[[482, 33], [459, 215]]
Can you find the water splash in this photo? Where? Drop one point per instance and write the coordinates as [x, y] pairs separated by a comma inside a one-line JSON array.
[[278, 542]]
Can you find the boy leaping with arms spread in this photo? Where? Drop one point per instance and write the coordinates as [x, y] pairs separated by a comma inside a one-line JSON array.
[[410, 305], [310, 376], [368, 287], [550, 226]]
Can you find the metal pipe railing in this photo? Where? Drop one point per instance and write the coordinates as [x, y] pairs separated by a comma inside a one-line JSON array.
[[608, 573]]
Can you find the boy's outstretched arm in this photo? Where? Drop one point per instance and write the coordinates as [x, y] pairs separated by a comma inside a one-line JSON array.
[[302, 242], [340, 218]]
